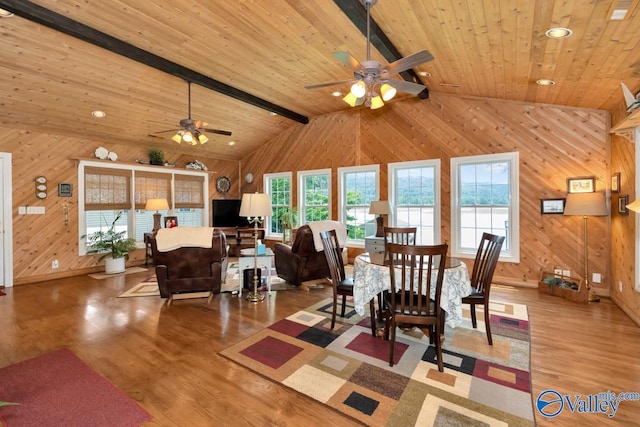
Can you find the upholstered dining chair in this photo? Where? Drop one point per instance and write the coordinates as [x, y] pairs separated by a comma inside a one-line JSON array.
[[341, 285], [482, 276], [415, 271]]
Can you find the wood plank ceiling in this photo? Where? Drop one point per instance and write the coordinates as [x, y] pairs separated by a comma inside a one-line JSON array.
[[271, 49]]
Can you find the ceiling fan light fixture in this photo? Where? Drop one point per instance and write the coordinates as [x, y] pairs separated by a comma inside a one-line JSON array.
[[358, 89], [376, 102], [187, 137], [202, 138], [388, 92], [351, 99], [177, 137]]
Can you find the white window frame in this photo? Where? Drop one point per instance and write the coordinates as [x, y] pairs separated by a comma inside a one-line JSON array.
[[437, 210], [513, 253], [82, 226], [636, 140], [342, 195], [302, 190], [266, 184]]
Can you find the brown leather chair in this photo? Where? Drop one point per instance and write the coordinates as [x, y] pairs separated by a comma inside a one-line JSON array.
[[301, 261], [189, 268]]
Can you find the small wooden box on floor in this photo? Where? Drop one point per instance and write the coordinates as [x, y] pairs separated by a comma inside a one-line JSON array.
[[580, 295]]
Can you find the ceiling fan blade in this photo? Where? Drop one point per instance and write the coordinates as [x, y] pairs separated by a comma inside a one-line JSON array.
[[164, 131], [349, 60], [404, 86], [217, 131], [407, 62], [329, 84]]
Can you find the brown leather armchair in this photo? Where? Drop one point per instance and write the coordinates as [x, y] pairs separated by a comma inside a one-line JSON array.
[[188, 268], [300, 262]]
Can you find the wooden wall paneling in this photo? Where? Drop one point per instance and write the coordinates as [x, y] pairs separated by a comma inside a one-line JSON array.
[[623, 228]]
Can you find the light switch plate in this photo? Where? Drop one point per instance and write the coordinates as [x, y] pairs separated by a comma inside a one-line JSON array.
[[35, 210]]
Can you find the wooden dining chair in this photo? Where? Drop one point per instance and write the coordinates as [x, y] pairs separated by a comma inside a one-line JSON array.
[[401, 236], [341, 285], [415, 271], [482, 276]]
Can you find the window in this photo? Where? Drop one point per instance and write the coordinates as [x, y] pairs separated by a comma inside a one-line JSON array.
[[314, 195], [278, 186], [104, 190], [485, 198], [358, 186], [414, 195]]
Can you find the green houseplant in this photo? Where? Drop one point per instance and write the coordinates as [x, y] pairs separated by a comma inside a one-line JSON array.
[[113, 246], [156, 156], [288, 220]]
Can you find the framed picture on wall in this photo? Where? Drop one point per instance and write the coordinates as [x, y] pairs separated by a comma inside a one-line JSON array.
[[552, 206], [623, 201], [615, 182], [581, 184]]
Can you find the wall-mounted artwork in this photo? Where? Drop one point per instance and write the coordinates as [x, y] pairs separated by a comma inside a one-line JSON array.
[[552, 206], [581, 184]]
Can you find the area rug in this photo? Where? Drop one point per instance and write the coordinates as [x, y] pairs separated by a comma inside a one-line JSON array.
[[129, 270], [59, 389], [277, 284], [348, 369], [147, 288]]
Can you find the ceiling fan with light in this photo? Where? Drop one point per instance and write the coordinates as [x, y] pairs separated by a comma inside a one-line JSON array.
[[372, 84], [191, 131]]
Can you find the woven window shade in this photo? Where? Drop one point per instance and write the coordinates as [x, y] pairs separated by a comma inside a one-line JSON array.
[[189, 191], [106, 189], [150, 185]]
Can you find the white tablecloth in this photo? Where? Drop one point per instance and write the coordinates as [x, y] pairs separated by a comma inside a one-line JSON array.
[[371, 279]]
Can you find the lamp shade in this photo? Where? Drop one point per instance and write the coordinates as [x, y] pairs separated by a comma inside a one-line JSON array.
[[255, 205], [380, 207], [634, 206], [586, 204], [156, 205]]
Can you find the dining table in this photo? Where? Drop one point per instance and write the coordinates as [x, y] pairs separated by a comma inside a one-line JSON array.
[[370, 279]]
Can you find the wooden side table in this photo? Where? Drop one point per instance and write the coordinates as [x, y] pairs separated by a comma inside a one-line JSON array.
[[147, 249]]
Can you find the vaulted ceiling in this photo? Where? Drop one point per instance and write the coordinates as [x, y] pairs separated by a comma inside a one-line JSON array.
[[264, 52]]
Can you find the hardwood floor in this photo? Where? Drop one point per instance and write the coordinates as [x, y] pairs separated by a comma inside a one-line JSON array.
[[167, 359]]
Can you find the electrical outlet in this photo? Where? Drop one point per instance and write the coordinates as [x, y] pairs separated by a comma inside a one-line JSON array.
[[566, 273], [619, 286], [596, 278], [557, 271], [54, 264]]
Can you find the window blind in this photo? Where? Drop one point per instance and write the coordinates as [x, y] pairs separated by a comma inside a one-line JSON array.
[[151, 185], [106, 188], [188, 191]]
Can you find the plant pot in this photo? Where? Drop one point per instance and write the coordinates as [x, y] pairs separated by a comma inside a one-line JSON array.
[[114, 265]]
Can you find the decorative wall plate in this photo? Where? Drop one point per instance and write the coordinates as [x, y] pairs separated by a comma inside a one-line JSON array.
[[248, 178], [223, 184]]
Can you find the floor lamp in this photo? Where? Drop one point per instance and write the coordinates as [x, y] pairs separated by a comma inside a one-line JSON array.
[[380, 208], [586, 205], [256, 207], [156, 205]]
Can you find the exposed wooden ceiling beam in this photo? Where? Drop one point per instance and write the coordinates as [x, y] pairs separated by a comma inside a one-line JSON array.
[[48, 18], [357, 13]]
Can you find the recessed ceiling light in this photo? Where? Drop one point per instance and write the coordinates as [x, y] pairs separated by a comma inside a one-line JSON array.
[[273, 113], [99, 114], [231, 143], [424, 73], [558, 33], [545, 82], [5, 13], [336, 93]]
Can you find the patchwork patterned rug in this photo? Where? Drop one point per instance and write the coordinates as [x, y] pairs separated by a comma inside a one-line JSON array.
[[348, 369]]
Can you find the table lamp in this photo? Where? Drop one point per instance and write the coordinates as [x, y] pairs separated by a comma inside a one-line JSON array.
[[380, 208], [256, 207], [156, 205], [634, 206], [586, 205]]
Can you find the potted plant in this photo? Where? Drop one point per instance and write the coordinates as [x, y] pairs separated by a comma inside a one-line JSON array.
[[113, 246], [288, 220], [156, 156]]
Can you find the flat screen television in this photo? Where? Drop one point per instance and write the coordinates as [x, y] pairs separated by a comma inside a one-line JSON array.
[[226, 213]]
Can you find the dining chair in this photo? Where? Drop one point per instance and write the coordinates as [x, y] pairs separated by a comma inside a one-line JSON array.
[[341, 285], [415, 271], [401, 236], [482, 276]]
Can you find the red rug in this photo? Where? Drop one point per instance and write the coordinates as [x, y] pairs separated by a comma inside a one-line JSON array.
[[59, 389]]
